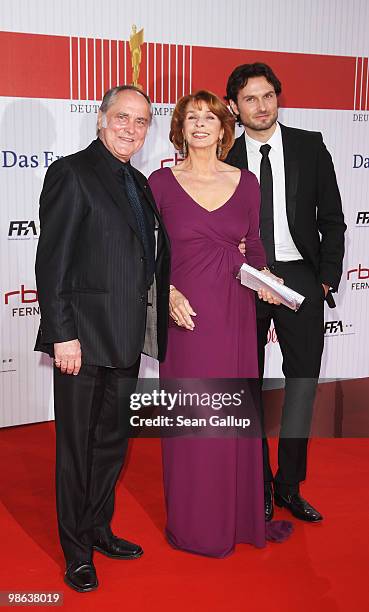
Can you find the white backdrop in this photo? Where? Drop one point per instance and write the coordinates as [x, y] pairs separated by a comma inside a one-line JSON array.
[[56, 58]]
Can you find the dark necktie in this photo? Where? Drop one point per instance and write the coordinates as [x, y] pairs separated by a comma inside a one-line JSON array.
[[266, 208], [146, 230]]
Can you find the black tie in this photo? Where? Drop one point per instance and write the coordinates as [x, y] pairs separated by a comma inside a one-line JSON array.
[[145, 229], [266, 208]]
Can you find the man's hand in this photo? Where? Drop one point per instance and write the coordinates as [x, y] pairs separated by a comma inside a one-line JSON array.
[[242, 246], [266, 295], [326, 289], [181, 310], [68, 356]]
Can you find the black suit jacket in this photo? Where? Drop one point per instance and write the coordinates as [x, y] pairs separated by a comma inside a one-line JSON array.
[[314, 209], [90, 266]]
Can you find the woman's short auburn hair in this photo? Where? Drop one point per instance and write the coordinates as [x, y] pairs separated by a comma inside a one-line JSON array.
[[216, 105]]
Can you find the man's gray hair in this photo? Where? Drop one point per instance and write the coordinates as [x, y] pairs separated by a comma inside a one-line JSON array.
[[111, 94]]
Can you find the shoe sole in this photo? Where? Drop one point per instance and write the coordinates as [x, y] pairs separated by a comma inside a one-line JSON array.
[[300, 518], [75, 588], [131, 557]]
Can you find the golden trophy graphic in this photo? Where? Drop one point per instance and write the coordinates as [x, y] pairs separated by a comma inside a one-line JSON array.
[[135, 41]]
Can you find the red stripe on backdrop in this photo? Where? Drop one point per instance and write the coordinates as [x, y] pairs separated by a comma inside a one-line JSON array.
[[34, 66], [366, 84], [142, 75], [165, 73], [146, 77], [82, 68], [151, 71], [121, 63], [113, 63], [309, 81], [179, 71], [358, 81], [91, 69], [173, 77], [187, 87], [102, 62], [98, 70], [159, 77], [363, 85], [75, 89], [106, 66]]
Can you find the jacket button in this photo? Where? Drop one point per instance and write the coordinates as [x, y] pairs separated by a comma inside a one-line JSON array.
[[142, 298]]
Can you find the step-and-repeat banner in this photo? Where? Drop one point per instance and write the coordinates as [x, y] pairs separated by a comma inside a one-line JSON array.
[[57, 61]]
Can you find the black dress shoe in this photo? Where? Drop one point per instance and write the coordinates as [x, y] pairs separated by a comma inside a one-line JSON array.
[[81, 577], [116, 548], [268, 503], [298, 506]]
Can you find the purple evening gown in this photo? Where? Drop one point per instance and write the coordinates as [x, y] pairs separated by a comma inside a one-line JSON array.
[[213, 486]]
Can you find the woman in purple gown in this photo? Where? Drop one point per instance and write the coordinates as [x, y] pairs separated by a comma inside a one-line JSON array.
[[213, 486]]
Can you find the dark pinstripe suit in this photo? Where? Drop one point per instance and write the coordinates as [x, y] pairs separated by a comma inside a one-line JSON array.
[[90, 263], [91, 281]]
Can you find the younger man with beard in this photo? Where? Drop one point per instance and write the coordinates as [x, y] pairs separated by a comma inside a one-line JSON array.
[[302, 229]]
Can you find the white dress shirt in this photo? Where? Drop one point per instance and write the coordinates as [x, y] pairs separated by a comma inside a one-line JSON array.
[[285, 248]]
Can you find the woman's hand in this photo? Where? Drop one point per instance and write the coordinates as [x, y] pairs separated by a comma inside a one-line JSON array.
[[180, 309], [266, 295], [242, 246]]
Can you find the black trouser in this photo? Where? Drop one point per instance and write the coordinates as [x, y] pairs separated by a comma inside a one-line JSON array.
[[91, 421], [301, 338]]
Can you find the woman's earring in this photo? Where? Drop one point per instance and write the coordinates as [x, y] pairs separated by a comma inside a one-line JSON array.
[[219, 148], [184, 148]]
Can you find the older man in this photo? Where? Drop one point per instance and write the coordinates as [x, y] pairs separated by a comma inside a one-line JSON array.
[[102, 279]]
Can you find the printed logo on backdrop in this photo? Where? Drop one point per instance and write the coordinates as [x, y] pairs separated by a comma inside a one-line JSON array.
[[171, 161], [360, 161], [7, 364], [272, 336], [358, 278], [360, 117], [86, 109], [21, 302], [135, 43], [362, 218], [23, 230], [163, 71], [334, 329], [17, 159]]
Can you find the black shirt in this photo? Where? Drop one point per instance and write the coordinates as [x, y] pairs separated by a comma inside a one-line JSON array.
[[148, 239]]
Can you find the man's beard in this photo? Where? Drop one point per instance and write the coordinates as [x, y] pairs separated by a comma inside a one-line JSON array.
[[259, 127]]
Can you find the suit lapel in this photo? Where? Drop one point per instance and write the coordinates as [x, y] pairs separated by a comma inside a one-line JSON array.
[[104, 174], [291, 170], [238, 154]]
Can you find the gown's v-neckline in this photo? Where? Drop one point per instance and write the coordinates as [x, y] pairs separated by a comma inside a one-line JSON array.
[[200, 205]]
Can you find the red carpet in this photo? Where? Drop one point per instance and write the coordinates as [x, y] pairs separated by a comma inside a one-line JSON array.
[[322, 568]]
